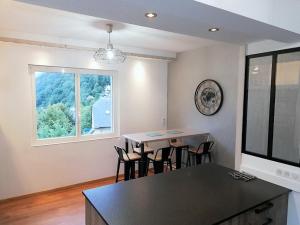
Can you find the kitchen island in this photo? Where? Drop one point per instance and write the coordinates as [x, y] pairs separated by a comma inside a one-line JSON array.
[[203, 195]]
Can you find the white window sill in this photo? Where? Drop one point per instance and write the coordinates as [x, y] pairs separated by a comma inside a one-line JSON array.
[[58, 141]]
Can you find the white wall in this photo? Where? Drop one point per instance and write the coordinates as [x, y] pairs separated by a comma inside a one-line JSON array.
[[268, 170], [255, 9], [221, 63], [26, 169]]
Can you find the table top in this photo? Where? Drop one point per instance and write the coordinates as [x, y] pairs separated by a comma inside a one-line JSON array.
[[205, 195], [163, 135]]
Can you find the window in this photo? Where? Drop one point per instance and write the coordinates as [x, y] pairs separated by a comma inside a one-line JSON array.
[[271, 126], [73, 104], [259, 83]]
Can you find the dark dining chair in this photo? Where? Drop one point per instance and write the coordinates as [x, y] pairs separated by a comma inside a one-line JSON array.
[[147, 150], [178, 145], [204, 149], [159, 159], [129, 160]]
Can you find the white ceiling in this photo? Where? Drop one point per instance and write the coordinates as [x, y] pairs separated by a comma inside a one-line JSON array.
[[27, 21], [179, 16], [280, 13]]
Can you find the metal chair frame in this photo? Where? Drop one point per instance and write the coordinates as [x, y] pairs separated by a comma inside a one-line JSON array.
[[183, 147], [129, 164], [158, 165], [206, 151]]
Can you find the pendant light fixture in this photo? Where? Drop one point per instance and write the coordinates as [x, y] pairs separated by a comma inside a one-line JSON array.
[[109, 55]]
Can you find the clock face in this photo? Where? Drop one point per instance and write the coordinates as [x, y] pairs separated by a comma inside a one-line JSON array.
[[208, 97]]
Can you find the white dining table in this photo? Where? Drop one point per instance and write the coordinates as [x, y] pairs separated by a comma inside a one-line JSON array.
[[160, 135]]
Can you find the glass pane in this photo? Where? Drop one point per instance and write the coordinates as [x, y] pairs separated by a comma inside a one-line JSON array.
[[96, 104], [259, 85], [286, 136], [55, 104]]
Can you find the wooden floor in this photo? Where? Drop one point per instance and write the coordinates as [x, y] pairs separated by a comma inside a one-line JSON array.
[[65, 206], [60, 207]]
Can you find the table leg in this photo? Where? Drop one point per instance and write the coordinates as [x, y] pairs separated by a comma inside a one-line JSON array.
[[132, 170], [126, 145], [127, 166], [178, 157], [143, 161]]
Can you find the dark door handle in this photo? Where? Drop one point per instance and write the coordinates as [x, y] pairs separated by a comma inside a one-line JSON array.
[[269, 221], [266, 207]]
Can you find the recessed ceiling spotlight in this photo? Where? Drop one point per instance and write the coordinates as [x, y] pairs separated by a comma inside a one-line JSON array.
[[151, 15], [213, 29]]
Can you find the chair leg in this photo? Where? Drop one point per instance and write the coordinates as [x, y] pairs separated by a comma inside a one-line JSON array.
[[155, 167], [170, 164], [198, 159], [188, 160], [209, 157], [147, 168], [152, 164], [185, 157], [118, 169], [158, 167], [132, 170]]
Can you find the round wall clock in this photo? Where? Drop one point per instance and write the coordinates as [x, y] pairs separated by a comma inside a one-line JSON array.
[[208, 97]]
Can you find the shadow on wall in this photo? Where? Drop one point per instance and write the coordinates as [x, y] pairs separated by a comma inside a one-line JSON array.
[[8, 169], [224, 155]]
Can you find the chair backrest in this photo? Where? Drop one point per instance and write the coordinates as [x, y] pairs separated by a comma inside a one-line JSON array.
[[207, 145], [120, 151]]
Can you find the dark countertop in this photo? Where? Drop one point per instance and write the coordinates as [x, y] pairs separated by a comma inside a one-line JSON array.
[[203, 195]]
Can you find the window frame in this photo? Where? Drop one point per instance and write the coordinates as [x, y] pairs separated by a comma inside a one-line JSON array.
[[78, 137], [269, 155]]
